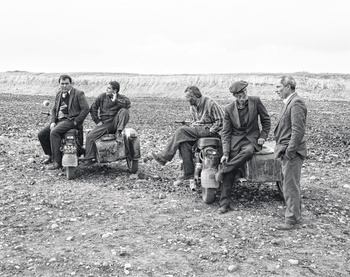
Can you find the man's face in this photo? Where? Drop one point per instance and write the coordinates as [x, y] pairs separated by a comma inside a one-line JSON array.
[[282, 91], [242, 96], [191, 98], [109, 90], [65, 85]]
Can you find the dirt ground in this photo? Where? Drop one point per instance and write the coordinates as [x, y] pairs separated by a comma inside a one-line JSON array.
[[108, 222]]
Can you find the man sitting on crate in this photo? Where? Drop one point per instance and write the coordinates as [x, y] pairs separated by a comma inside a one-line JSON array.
[[110, 112], [241, 136], [207, 118]]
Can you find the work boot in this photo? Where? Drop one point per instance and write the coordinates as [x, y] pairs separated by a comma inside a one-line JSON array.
[[159, 159], [183, 177], [87, 162], [287, 226], [47, 160], [224, 208], [55, 166]]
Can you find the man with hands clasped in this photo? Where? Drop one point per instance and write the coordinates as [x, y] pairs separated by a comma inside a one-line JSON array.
[[69, 111]]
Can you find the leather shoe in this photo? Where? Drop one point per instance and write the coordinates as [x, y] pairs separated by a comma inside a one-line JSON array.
[[287, 226], [219, 176], [47, 160], [54, 166], [183, 177], [87, 162], [224, 209], [159, 159]]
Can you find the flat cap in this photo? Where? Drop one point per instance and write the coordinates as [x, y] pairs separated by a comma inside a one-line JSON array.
[[238, 86]]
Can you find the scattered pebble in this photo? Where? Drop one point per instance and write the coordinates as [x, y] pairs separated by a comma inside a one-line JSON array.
[[106, 235], [177, 183], [294, 262], [232, 268], [133, 176], [54, 226]]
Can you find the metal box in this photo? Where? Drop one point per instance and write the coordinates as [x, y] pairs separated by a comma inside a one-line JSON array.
[[109, 150], [263, 168]]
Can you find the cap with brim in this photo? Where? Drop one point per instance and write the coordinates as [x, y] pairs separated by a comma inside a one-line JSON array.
[[238, 86]]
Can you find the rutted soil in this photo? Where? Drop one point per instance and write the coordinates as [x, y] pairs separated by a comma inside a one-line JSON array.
[[108, 222]]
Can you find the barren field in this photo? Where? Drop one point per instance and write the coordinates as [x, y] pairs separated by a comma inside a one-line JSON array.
[[108, 222]]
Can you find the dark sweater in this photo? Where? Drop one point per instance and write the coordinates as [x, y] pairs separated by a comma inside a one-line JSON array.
[[104, 109]]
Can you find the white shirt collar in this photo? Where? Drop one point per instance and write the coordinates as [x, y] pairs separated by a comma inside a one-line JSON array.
[[285, 101], [64, 95], [114, 97]]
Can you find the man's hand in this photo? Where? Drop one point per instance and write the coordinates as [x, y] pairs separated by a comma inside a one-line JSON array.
[[119, 136], [224, 159], [261, 141], [52, 125], [289, 154], [99, 124]]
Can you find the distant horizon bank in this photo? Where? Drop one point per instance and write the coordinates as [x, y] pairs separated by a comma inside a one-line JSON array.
[[309, 85], [297, 73]]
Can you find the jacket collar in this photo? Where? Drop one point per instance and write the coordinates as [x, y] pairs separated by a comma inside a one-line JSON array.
[[289, 99], [236, 114]]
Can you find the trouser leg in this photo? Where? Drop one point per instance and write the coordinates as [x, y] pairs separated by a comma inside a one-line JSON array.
[[237, 159], [186, 154], [291, 170], [44, 138], [56, 135], [183, 134], [119, 121], [91, 137], [226, 187]]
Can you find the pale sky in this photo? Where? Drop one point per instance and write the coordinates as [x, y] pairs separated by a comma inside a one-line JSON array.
[[175, 36]]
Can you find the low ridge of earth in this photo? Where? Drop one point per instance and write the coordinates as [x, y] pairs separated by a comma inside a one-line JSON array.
[[109, 222]]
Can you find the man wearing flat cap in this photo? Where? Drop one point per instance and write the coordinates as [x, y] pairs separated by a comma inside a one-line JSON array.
[[241, 136]]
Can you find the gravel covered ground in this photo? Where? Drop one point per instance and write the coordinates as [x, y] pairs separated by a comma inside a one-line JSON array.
[[108, 222]]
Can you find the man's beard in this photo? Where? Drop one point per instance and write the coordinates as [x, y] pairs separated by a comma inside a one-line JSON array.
[[241, 104]]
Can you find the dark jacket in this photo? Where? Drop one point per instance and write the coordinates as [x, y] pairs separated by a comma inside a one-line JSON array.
[[104, 109], [290, 129], [233, 133], [78, 107]]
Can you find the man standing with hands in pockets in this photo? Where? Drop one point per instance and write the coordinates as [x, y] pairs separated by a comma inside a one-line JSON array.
[[291, 148]]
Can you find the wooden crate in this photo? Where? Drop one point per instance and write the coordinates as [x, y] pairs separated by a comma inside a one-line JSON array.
[[263, 168]]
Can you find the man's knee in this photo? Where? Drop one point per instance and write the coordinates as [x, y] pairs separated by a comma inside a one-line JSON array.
[[248, 151], [123, 112], [40, 135], [55, 133], [181, 130]]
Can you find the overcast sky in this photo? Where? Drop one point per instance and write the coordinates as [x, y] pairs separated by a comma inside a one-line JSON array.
[[175, 36]]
